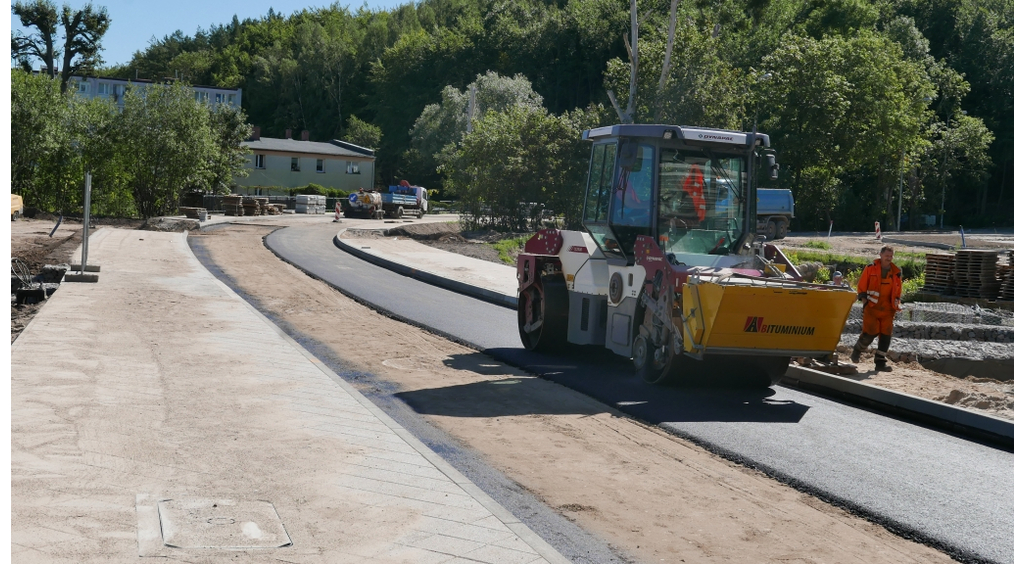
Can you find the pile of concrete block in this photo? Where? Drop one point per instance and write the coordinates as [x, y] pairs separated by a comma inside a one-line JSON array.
[[311, 204]]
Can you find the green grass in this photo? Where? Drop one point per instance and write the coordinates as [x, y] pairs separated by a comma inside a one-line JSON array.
[[824, 245], [509, 249]]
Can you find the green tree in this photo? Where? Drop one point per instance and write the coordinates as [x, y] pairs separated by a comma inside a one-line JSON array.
[[83, 29], [362, 133], [228, 128], [41, 43], [167, 145], [840, 108], [442, 124], [517, 163]]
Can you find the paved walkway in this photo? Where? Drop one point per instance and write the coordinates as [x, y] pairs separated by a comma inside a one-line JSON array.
[[155, 413]]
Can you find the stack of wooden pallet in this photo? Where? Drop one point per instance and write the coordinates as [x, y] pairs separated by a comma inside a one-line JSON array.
[[250, 206], [975, 274], [194, 213], [1006, 290], [233, 205], [275, 209], [938, 274], [264, 203]]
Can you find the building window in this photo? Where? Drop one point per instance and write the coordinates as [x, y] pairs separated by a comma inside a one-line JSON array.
[[231, 99], [319, 165], [118, 91], [295, 164], [261, 161], [352, 167], [103, 89], [218, 98], [82, 87]]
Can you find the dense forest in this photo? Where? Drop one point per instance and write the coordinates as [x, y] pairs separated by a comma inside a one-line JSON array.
[[858, 96]]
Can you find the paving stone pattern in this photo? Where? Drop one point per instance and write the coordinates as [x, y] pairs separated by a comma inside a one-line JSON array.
[[157, 383]]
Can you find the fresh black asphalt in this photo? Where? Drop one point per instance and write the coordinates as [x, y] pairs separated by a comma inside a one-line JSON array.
[[935, 488]]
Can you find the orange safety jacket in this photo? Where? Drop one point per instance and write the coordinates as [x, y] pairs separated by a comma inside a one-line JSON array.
[[694, 186], [870, 284]]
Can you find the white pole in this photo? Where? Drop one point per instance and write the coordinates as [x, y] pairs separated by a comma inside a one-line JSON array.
[[899, 205], [472, 108]]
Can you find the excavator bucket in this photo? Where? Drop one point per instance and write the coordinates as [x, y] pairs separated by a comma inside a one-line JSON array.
[[754, 317]]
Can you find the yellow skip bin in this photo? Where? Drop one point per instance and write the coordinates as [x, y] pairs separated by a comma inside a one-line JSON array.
[[746, 318]]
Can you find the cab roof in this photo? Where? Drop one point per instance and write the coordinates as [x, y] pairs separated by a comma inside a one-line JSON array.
[[701, 135]]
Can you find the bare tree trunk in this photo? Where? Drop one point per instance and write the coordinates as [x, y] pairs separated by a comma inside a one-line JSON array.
[[615, 104], [634, 60], [668, 46]]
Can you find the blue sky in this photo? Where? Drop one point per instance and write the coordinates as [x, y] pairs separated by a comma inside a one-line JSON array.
[[135, 22]]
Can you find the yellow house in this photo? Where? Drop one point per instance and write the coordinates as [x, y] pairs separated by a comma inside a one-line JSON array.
[[276, 165]]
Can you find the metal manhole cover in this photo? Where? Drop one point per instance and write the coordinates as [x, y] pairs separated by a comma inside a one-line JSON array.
[[221, 524]]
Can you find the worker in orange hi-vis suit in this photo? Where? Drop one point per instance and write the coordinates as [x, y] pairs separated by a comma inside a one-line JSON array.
[[694, 186], [879, 289]]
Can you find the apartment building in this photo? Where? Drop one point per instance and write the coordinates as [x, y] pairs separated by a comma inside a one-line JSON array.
[[278, 164]]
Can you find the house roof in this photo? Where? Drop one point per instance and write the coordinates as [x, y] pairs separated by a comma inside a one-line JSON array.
[[334, 148]]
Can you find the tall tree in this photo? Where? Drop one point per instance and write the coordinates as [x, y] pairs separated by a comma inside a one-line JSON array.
[[168, 143], [83, 29], [40, 44]]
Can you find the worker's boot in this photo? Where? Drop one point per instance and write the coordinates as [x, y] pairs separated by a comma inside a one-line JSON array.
[[883, 347], [860, 346]]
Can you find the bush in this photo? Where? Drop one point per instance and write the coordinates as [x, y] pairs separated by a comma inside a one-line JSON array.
[[310, 189], [823, 245]]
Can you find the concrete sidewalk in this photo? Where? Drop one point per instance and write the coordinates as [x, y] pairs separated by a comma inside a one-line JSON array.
[[483, 279], [155, 413]]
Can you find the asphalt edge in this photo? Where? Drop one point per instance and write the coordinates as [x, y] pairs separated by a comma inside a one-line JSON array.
[[543, 548], [431, 278], [933, 413], [936, 414]]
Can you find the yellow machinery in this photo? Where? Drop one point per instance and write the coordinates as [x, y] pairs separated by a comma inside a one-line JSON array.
[[17, 206], [669, 271]]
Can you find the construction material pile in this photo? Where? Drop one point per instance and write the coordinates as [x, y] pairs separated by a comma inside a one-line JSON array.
[[970, 273], [194, 213], [233, 205], [310, 204], [1006, 273]]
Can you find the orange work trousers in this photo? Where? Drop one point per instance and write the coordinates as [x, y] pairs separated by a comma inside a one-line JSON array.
[[878, 321]]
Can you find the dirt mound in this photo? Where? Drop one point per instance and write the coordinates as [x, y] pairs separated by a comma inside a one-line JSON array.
[[169, 224], [426, 231]]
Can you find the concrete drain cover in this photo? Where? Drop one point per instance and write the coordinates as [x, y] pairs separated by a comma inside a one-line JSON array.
[[220, 524]]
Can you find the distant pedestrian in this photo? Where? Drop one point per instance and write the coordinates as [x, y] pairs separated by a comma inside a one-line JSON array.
[[879, 289], [837, 279]]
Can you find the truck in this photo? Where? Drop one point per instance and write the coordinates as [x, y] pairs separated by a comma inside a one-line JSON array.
[[775, 211], [405, 198], [669, 270]]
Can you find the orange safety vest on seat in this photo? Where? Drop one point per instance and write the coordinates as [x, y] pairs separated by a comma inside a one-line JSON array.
[[694, 186]]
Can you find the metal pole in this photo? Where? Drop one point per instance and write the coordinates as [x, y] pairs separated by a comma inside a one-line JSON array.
[[471, 109], [899, 205], [85, 220]]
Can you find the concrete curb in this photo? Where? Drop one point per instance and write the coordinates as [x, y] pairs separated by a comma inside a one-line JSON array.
[[927, 411], [944, 416], [911, 243], [543, 548], [431, 278]]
